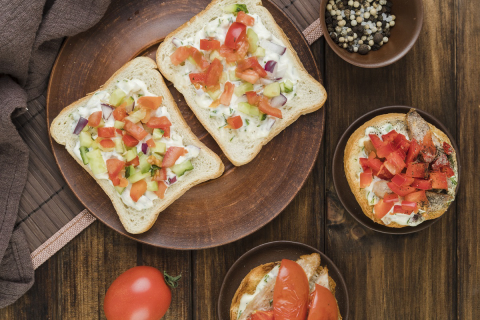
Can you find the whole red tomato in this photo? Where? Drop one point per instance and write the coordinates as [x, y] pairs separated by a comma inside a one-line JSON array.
[[139, 293]]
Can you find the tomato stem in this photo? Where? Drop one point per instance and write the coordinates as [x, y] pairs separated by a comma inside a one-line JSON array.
[[170, 280]]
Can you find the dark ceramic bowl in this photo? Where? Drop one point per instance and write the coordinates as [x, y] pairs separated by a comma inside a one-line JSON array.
[[271, 252], [340, 180], [408, 24]]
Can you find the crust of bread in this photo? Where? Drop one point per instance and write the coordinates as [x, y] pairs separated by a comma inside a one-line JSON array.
[[136, 221], [352, 166], [166, 48]]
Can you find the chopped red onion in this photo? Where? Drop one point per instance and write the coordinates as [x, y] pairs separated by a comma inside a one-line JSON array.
[[270, 46], [278, 101], [129, 107], [270, 66], [106, 111], [177, 42], [266, 81], [171, 181], [271, 122], [144, 148], [82, 122]]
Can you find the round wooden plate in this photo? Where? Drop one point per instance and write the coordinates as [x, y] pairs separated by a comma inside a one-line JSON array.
[[216, 212], [272, 252], [344, 192]]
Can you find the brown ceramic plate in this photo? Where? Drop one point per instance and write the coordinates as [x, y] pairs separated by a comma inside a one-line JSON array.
[[340, 180], [272, 252], [214, 213], [408, 25]]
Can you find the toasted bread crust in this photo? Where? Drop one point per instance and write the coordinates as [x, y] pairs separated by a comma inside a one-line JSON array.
[[352, 166]]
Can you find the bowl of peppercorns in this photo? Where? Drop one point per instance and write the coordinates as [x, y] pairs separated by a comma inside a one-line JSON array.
[[371, 33]]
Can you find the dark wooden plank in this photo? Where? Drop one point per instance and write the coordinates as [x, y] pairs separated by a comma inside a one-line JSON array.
[[395, 277], [468, 202]]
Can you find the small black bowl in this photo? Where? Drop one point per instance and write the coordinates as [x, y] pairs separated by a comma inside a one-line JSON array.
[[344, 192], [272, 252]]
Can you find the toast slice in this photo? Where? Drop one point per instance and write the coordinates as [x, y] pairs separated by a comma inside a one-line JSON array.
[[413, 126], [310, 94], [263, 298], [207, 165]]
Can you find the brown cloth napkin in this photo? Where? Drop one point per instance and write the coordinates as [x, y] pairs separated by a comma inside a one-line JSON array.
[[31, 33]]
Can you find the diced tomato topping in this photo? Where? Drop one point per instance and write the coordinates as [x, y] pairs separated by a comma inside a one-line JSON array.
[[411, 206], [366, 178], [244, 18], [377, 142], [401, 191], [166, 132], [119, 113], [396, 158], [399, 209], [136, 131], [413, 152], [123, 182], [180, 55], [399, 180], [374, 163], [115, 179], [228, 54], [114, 166], [214, 73], [214, 104], [235, 122], [148, 115], [159, 122], [209, 44], [390, 197], [251, 63], [106, 132], [390, 136], [439, 180], [447, 148], [151, 143], [385, 149], [448, 171], [226, 96], [248, 75], [418, 196], [392, 167], [129, 141], [382, 208], [150, 102], [428, 150], [422, 184], [199, 59], [265, 107], [119, 131], [172, 155], [383, 173], [242, 48], [107, 143], [200, 78], [252, 97], [160, 175], [162, 187], [236, 31], [138, 189], [401, 142], [441, 161], [134, 162], [417, 170], [94, 119], [364, 163]]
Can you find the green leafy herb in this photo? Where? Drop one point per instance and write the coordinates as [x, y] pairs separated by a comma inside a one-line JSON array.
[[171, 281], [264, 116], [153, 169], [232, 138], [247, 121], [140, 95]]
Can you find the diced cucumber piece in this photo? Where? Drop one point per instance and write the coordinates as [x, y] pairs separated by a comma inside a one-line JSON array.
[[97, 164], [129, 101], [131, 154], [152, 186], [83, 153], [102, 124], [160, 147], [272, 90], [247, 108], [137, 115], [119, 124], [144, 166], [234, 8], [159, 157], [191, 60], [252, 40], [157, 134], [85, 139], [288, 86], [86, 128], [119, 189], [95, 145], [137, 176], [232, 76], [282, 87], [215, 55], [181, 168], [214, 95], [116, 97], [130, 170], [241, 89], [119, 147], [260, 52]]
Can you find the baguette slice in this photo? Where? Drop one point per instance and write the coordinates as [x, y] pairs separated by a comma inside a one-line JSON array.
[[311, 95], [438, 202], [207, 165]]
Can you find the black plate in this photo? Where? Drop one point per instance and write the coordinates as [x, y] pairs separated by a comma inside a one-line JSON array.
[[340, 180], [271, 252]]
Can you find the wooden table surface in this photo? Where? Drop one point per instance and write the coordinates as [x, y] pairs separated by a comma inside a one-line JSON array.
[[433, 274]]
